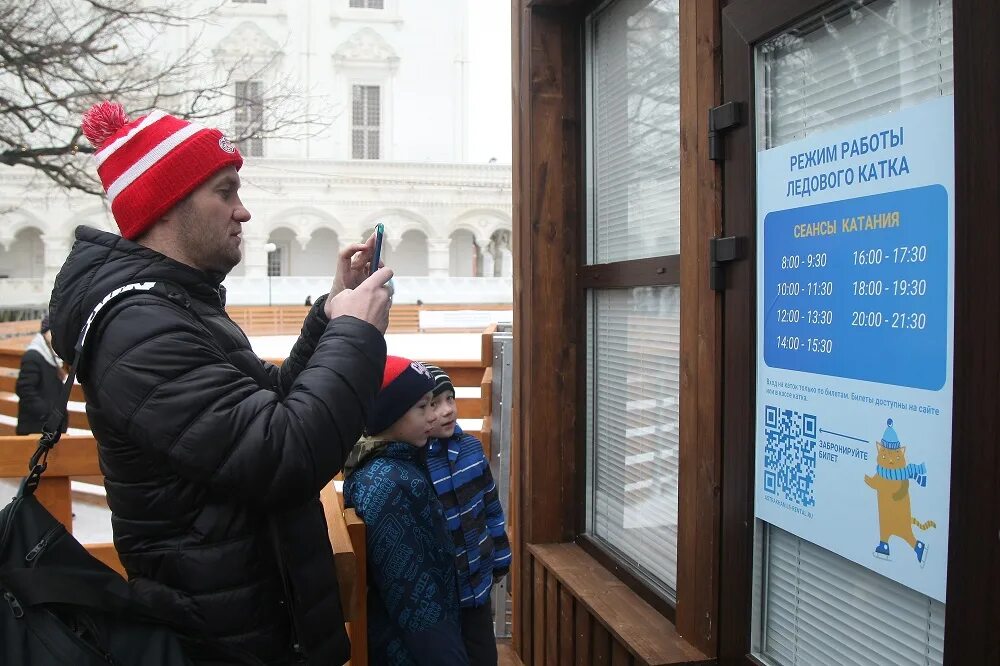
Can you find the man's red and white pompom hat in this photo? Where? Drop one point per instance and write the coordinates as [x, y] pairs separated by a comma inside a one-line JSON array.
[[149, 164]]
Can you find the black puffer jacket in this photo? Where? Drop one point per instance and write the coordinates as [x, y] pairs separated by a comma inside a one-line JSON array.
[[200, 441]]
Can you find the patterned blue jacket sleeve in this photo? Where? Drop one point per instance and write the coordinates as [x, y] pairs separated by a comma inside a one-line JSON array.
[[495, 523], [406, 564]]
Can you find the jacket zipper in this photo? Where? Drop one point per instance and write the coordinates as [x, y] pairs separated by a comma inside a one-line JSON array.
[[15, 605], [44, 543], [10, 520]]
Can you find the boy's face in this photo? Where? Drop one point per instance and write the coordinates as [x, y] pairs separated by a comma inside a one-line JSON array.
[[444, 407], [415, 426]]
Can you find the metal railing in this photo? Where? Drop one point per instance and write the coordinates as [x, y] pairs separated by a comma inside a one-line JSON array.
[[500, 435]]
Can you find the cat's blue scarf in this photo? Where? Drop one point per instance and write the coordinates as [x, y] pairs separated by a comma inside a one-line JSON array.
[[917, 472]]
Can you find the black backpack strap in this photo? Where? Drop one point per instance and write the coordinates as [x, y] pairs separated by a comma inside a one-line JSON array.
[[55, 423]]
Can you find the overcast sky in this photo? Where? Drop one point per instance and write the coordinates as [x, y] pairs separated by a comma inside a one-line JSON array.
[[489, 85]]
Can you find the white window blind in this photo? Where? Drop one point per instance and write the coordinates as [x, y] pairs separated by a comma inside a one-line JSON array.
[[366, 120], [633, 95], [866, 59], [633, 386]]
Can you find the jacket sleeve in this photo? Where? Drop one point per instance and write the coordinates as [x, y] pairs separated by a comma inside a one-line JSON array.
[[28, 388], [412, 584], [313, 327], [495, 524], [163, 385]]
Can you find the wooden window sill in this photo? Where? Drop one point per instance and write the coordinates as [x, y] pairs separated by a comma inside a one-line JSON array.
[[647, 634]]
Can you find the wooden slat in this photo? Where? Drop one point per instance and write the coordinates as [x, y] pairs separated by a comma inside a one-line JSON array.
[[469, 408], [600, 645], [620, 611], [486, 391], [7, 429], [551, 620], [73, 456], [486, 350], [462, 375], [582, 623], [343, 551], [53, 493], [8, 383], [106, 553], [619, 655], [8, 407], [11, 358], [538, 617], [358, 628], [523, 617], [78, 419], [566, 630]]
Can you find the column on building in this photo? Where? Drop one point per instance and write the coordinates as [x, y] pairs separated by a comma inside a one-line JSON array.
[[487, 267], [55, 251], [254, 256], [438, 257]]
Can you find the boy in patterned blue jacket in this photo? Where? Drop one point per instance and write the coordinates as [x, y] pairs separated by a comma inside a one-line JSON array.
[[462, 480], [413, 613]]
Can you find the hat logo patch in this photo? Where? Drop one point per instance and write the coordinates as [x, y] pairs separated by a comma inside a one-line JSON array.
[[227, 145], [421, 368]]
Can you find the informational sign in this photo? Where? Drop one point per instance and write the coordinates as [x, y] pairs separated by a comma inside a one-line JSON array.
[[855, 311]]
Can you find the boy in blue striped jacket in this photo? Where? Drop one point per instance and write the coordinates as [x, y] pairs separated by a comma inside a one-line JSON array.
[[460, 473]]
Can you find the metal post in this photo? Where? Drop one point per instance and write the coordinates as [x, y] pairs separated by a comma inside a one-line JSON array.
[[503, 394]]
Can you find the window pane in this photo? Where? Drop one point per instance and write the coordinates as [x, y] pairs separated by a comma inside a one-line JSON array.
[[871, 61], [358, 105], [358, 144], [866, 618], [632, 424], [634, 131], [373, 102], [862, 61], [373, 144]]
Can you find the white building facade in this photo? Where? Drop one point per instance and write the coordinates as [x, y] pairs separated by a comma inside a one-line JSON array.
[[385, 88]]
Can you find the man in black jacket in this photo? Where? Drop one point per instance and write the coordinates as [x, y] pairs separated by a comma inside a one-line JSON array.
[[39, 381], [213, 459]]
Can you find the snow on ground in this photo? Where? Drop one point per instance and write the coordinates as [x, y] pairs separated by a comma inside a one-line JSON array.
[[418, 346]]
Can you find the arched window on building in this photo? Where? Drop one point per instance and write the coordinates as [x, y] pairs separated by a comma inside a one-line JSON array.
[[410, 255], [280, 261], [25, 256], [320, 255]]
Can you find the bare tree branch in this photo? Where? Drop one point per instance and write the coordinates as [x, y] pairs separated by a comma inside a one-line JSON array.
[[58, 57]]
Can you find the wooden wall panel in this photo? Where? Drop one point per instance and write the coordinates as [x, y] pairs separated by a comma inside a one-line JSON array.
[[545, 229], [701, 334], [973, 610], [582, 615]]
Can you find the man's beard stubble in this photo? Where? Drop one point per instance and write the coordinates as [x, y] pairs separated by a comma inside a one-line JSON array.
[[211, 253]]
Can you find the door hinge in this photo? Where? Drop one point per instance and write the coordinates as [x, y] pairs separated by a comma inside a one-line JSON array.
[[721, 251], [721, 119]]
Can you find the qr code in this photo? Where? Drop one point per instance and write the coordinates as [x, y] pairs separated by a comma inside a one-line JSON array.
[[790, 455]]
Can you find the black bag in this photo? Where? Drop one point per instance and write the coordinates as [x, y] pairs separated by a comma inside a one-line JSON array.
[[61, 606]]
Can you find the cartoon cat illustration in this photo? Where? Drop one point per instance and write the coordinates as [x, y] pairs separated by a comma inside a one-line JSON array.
[[891, 482]]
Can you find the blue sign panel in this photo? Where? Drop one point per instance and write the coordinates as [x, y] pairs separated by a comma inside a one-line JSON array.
[[855, 337], [859, 288]]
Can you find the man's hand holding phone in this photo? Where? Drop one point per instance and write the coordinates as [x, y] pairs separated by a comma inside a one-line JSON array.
[[354, 265], [370, 301]]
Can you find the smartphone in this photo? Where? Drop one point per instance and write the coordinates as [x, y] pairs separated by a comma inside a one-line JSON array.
[[379, 232]]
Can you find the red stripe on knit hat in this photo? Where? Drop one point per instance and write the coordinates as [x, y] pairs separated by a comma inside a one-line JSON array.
[[136, 147], [394, 367]]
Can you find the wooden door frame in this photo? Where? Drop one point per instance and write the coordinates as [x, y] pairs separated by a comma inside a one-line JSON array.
[[973, 600]]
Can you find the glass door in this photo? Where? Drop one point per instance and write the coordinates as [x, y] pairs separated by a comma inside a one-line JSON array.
[[838, 407]]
